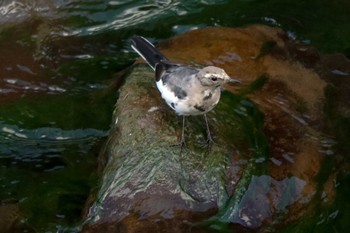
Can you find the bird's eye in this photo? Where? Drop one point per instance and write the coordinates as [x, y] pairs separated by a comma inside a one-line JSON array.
[[214, 79]]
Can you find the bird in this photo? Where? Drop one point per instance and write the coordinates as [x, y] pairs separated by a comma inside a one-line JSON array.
[[188, 90]]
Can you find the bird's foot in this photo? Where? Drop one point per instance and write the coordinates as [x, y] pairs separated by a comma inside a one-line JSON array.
[[181, 144], [210, 142]]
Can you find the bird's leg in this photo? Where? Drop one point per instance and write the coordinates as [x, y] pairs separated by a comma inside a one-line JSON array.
[[182, 142], [210, 140]]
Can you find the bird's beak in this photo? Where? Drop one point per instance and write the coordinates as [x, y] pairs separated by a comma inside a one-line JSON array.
[[232, 81]]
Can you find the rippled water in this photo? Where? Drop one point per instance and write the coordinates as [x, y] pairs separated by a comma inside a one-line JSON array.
[[58, 66]]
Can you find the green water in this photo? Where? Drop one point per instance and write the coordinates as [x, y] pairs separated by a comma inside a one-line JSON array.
[[59, 74]]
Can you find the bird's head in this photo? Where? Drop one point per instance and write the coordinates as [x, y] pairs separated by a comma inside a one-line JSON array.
[[214, 76]]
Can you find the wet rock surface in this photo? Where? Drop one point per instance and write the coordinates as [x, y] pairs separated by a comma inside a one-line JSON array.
[[271, 140], [181, 186]]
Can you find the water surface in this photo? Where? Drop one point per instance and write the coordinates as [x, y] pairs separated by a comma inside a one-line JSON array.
[[59, 65]]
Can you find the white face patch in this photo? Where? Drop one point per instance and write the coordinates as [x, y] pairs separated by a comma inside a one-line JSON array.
[[216, 74], [210, 75]]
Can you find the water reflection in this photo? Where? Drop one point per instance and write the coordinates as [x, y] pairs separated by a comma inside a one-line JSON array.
[[100, 16], [113, 17], [19, 10], [14, 132], [14, 85], [45, 147]]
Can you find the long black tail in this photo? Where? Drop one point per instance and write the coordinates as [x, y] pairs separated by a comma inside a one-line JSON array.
[[147, 51]]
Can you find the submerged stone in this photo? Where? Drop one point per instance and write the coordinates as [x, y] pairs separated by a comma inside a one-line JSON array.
[[9, 214], [260, 174]]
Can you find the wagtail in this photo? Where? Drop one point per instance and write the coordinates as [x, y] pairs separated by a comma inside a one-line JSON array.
[[188, 90]]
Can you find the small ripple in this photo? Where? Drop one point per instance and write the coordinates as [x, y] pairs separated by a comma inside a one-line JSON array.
[[19, 10], [116, 16], [16, 85], [340, 73], [284, 105], [49, 134], [6, 91], [287, 157], [25, 69], [327, 145], [43, 149], [271, 21], [180, 29]]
